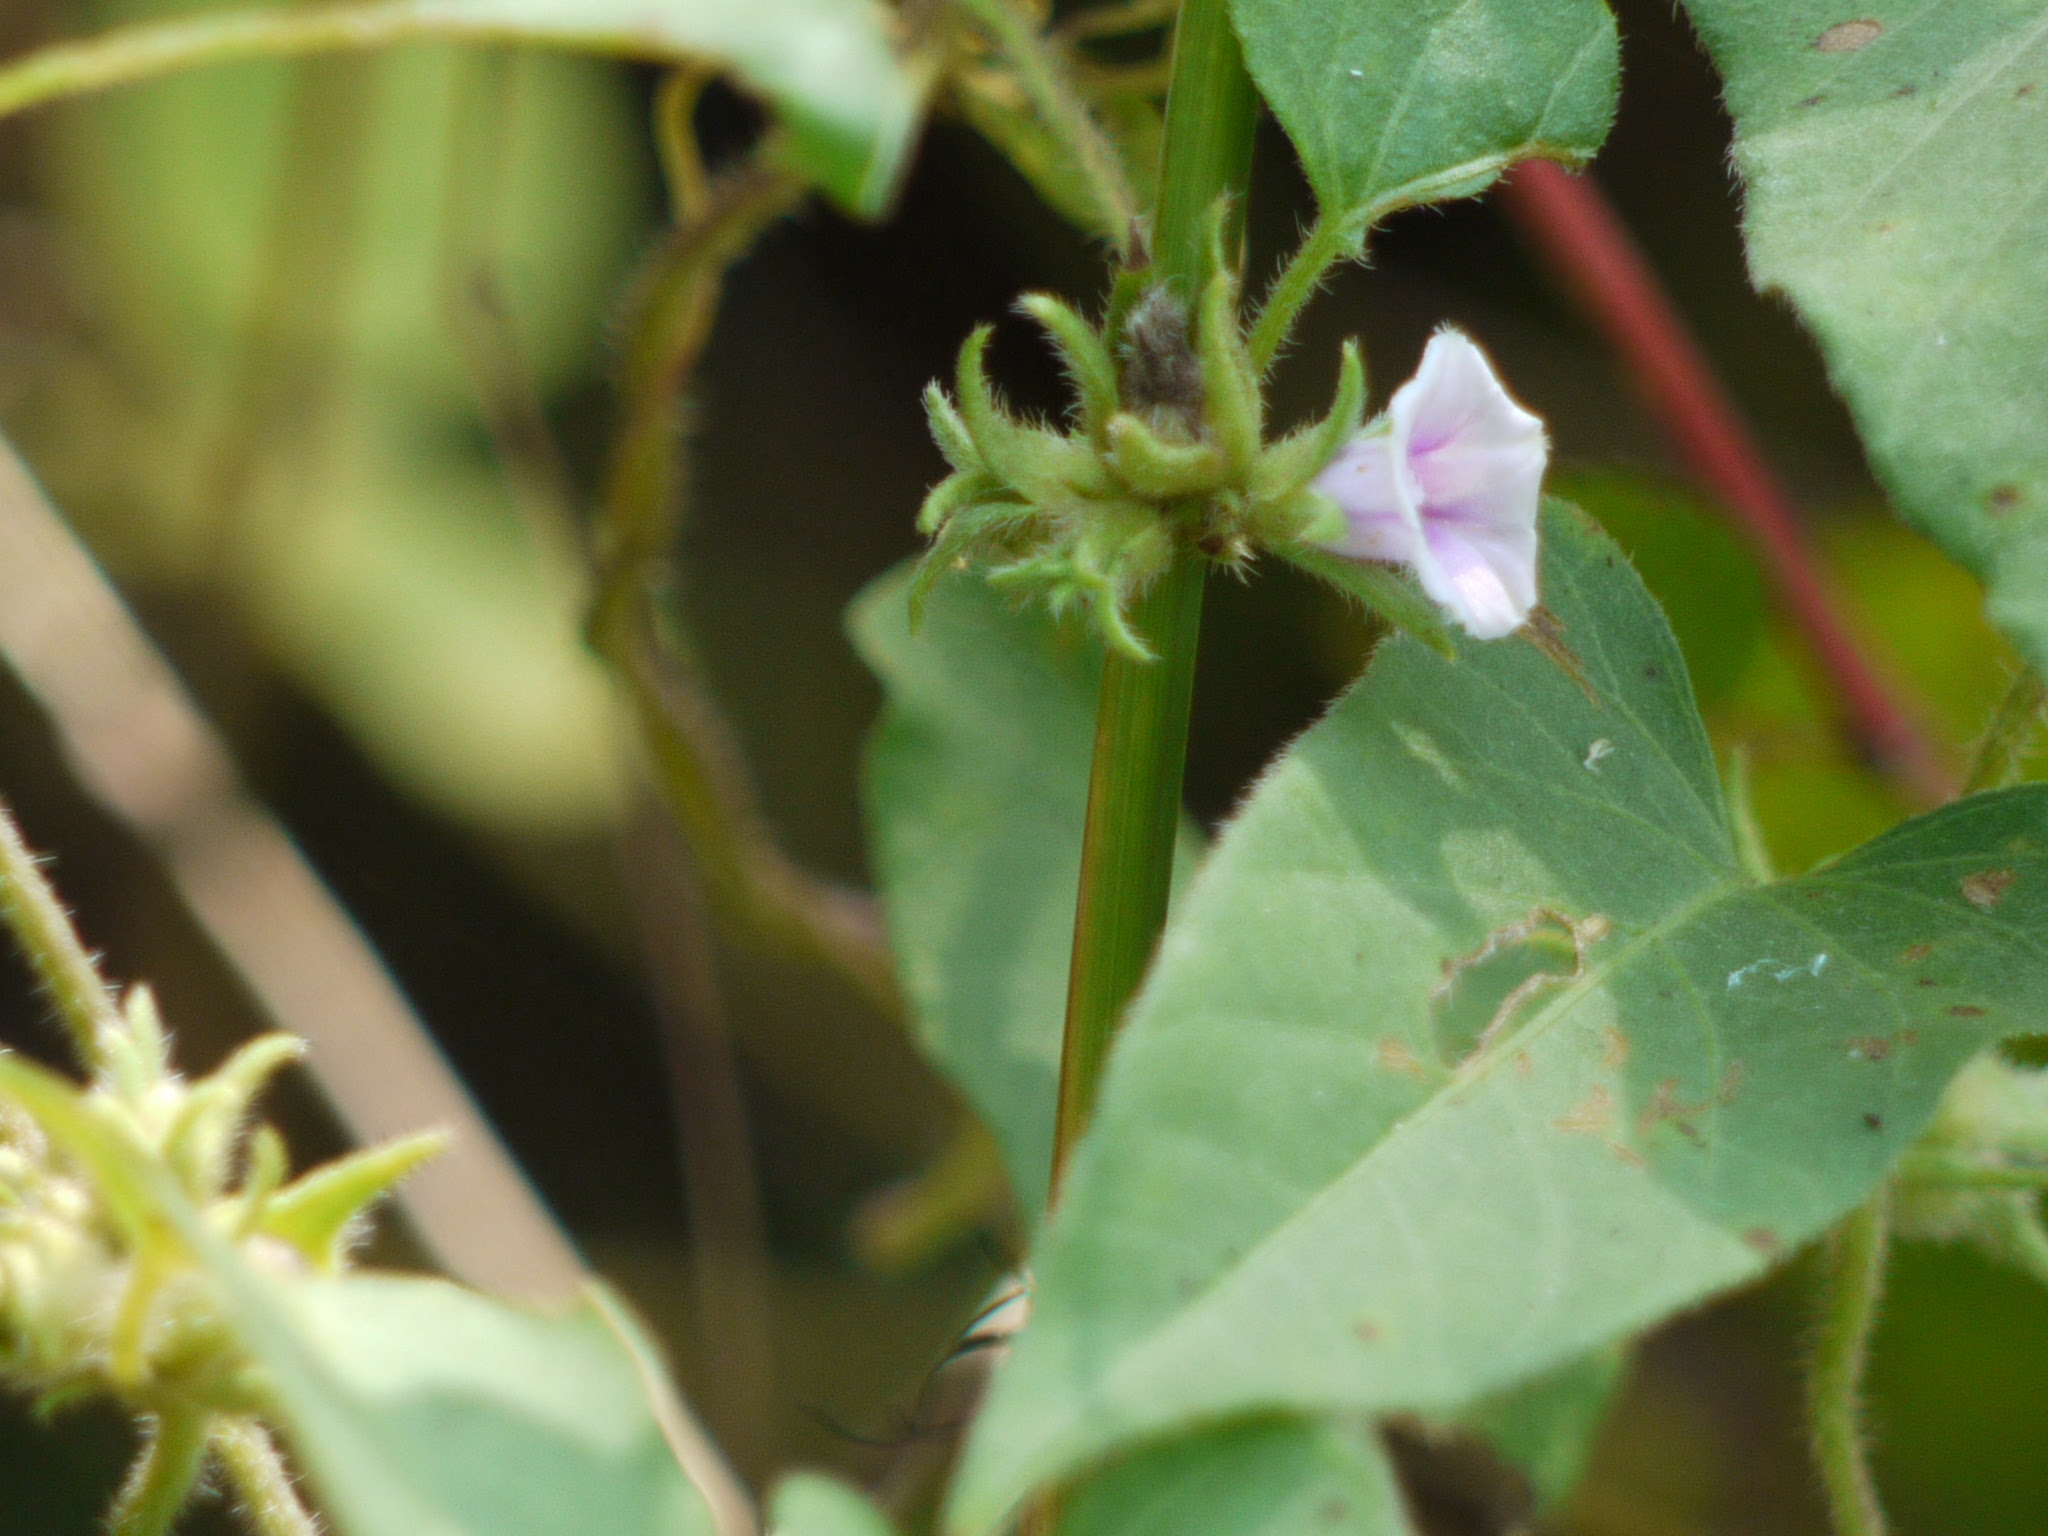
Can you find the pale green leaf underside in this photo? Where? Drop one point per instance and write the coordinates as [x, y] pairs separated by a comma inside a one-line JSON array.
[[426, 1410], [811, 1504], [1895, 159], [976, 787], [1262, 1478], [1392, 103], [1294, 1198], [830, 67]]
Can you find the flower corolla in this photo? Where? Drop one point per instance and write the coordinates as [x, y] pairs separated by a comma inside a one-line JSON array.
[[1447, 482]]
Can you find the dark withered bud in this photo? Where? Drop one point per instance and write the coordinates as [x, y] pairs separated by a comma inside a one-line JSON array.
[[1161, 376]]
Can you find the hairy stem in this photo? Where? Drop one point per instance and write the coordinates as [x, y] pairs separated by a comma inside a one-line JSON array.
[[1134, 788], [698, 765], [43, 929], [1855, 1259], [1326, 245], [163, 1476], [1043, 74], [1996, 762], [1141, 730], [263, 1484]]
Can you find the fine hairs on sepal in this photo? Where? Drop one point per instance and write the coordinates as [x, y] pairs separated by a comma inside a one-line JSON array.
[[1166, 450]]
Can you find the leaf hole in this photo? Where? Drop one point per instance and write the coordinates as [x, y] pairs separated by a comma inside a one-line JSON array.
[[1482, 992]]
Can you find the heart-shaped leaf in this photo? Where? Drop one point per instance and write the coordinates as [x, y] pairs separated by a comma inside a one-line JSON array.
[[1893, 157], [1392, 103], [1472, 1050], [975, 791]]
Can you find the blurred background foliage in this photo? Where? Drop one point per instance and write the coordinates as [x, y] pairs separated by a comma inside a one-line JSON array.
[[229, 311]]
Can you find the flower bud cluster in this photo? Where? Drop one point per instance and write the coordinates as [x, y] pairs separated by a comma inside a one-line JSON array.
[[98, 1295], [58, 1273], [1167, 451]]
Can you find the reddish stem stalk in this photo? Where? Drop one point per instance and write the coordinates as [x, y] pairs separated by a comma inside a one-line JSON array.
[[1587, 248]]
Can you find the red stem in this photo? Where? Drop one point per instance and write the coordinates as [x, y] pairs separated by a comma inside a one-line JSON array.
[[1591, 253]]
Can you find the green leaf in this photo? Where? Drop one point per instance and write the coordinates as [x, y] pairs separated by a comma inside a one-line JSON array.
[[1893, 156], [1690, 558], [421, 1408], [809, 1504], [418, 1408], [976, 786], [1306, 1187], [830, 68], [1392, 103], [1260, 1478]]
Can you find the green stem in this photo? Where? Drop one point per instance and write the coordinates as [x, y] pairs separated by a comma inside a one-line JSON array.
[[1996, 760], [1134, 789], [1326, 245], [1141, 730], [148, 50], [1855, 1280], [1042, 74], [1934, 1170], [1211, 111], [42, 928], [262, 1482], [163, 1477]]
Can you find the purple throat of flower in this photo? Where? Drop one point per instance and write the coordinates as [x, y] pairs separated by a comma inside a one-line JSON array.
[[1447, 482]]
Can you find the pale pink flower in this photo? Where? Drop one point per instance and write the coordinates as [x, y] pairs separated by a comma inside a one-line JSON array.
[[1447, 482]]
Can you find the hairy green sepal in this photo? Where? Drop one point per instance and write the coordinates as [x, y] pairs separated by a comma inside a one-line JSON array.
[[1166, 451]]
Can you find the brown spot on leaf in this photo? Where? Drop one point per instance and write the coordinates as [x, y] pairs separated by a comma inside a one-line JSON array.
[[1811, 101], [2024, 92], [1849, 36], [1915, 954], [1985, 889], [1627, 1155], [1546, 632], [1730, 1081], [2001, 499], [1665, 1104], [1523, 1065], [1365, 1331], [1334, 1511], [1396, 1057], [1762, 1239], [1614, 1052], [1926, 981], [1590, 1116], [1870, 1048], [1966, 1011], [1872, 1120], [1904, 91]]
